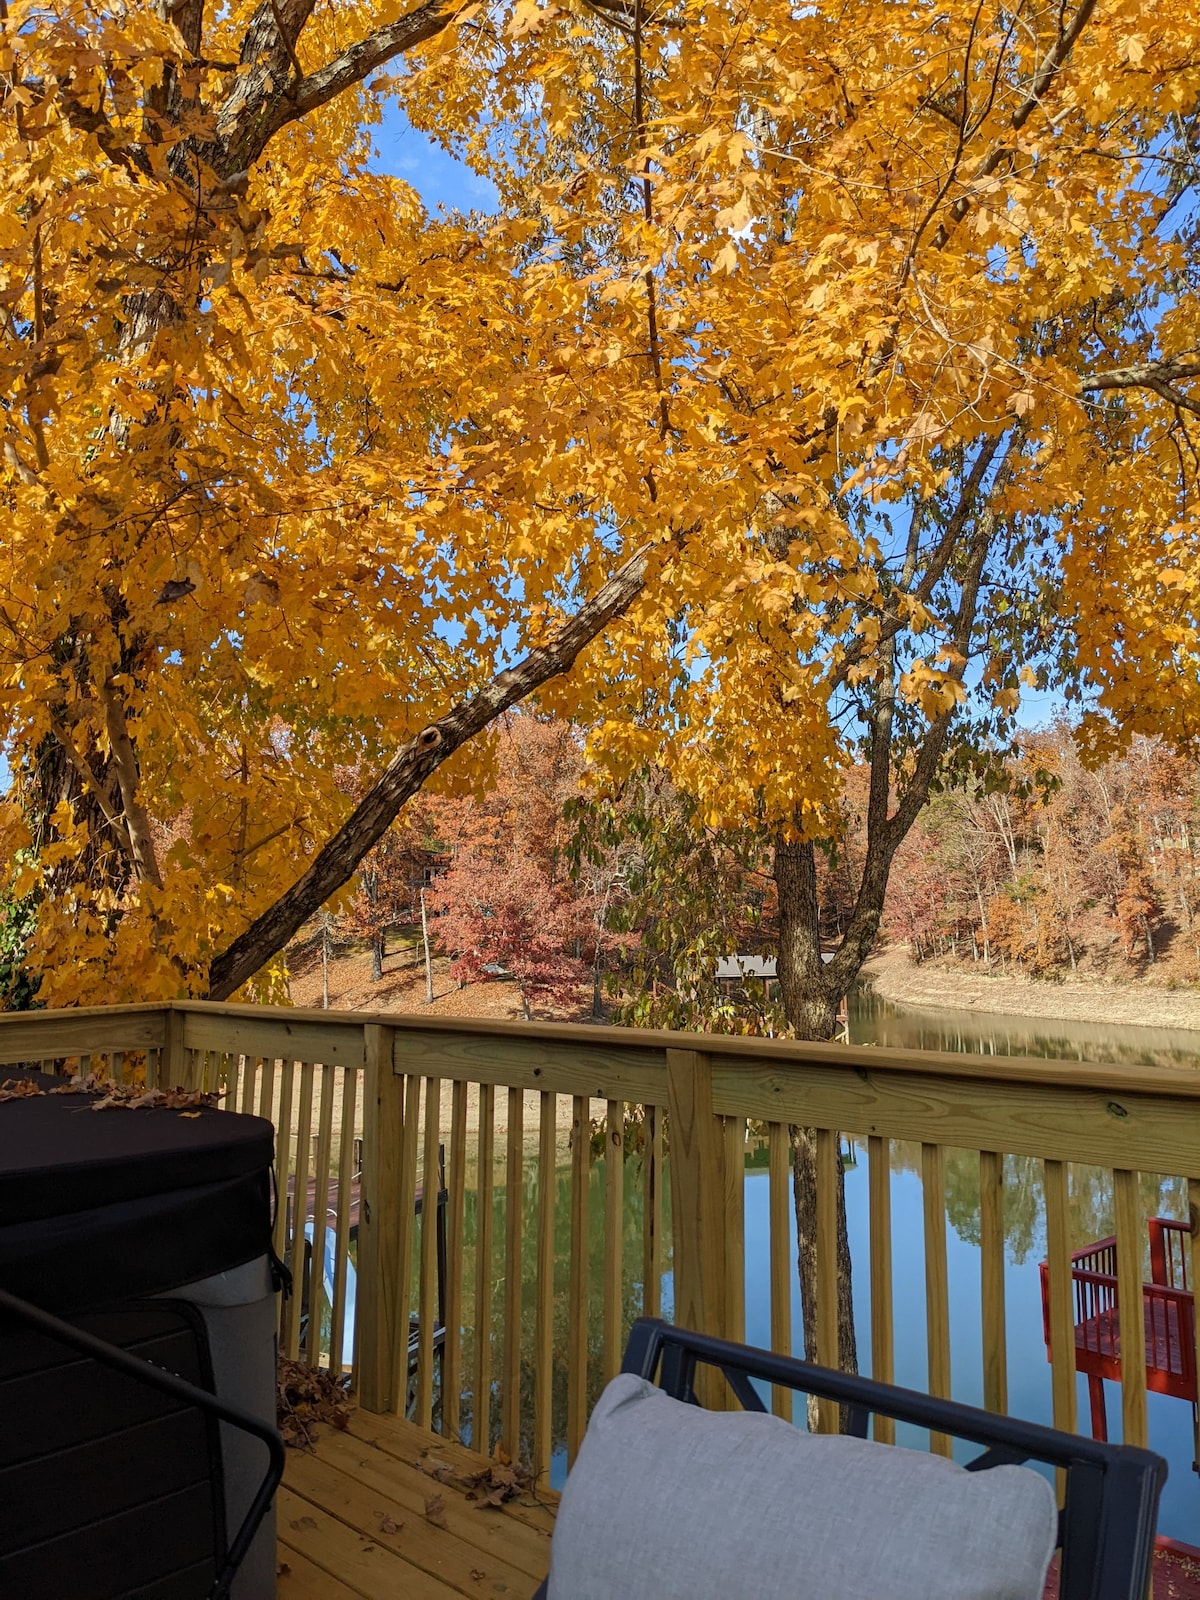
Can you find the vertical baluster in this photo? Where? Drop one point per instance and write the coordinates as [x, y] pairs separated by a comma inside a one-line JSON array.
[[510, 1397], [577, 1294], [1061, 1297], [485, 1176], [652, 1216], [879, 1180], [779, 1244], [827, 1270], [338, 1360], [427, 1311], [543, 1332], [266, 1088], [991, 1252], [316, 1271], [402, 1358], [614, 1205], [249, 1064], [1130, 1233], [937, 1283], [299, 1215], [735, 1227], [283, 1167], [456, 1178]]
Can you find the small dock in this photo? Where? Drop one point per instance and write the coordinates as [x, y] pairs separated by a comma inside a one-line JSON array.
[[384, 1508]]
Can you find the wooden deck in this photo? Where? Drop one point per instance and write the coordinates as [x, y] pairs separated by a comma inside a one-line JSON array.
[[364, 1515], [381, 1510]]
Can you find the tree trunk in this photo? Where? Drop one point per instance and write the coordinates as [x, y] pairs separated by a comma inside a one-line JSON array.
[[325, 966], [428, 958], [376, 957], [810, 1002]]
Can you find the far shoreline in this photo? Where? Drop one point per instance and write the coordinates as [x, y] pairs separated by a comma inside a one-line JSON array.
[[927, 986]]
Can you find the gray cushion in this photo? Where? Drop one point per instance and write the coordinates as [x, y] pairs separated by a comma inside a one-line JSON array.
[[669, 1502]]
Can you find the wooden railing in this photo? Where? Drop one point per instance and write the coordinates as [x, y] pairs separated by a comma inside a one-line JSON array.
[[555, 1234]]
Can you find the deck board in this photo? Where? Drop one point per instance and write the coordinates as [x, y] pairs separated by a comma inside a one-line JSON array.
[[354, 1519]]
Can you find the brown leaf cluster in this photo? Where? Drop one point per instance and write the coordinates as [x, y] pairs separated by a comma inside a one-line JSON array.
[[19, 1089], [500, 1482], [305, 1398], [122, 1096]]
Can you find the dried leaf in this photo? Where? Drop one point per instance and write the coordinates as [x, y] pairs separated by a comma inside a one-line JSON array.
[[435, 1511], [19, 1089], [305, 1398], [389, 1525]]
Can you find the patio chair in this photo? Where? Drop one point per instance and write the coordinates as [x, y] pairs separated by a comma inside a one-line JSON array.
[[665, 1501], [114, 1490]]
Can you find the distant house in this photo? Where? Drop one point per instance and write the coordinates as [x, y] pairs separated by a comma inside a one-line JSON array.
[[734, 971]]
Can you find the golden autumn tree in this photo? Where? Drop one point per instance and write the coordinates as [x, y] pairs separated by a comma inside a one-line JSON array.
[[245, 497], [865, 335], [902, 303]]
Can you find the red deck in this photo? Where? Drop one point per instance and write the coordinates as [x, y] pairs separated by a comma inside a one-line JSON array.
[[1176, 1573]]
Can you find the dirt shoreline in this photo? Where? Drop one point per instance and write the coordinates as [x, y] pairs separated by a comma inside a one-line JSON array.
[[928, 986]]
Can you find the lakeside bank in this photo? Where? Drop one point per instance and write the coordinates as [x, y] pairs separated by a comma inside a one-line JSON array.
[[927, 986]]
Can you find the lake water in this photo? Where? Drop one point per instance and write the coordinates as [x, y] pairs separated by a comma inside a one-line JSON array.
[[877, 1021]]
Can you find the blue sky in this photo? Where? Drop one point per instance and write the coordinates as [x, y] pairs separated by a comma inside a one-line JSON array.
[[438, 178]]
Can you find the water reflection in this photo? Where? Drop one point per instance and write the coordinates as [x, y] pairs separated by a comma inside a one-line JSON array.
[[877, 1021]]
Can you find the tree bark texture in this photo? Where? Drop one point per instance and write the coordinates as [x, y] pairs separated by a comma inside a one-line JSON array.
[[810, 1001]]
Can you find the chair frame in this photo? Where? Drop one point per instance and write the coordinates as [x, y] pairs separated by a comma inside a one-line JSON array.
[[1106, 1527]]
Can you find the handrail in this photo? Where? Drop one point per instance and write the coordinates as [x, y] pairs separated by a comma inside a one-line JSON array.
[[1116, 1076]]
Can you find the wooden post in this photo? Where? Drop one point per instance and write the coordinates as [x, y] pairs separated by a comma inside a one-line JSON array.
[[171, 1064], [380, 1223], [697, 1165]]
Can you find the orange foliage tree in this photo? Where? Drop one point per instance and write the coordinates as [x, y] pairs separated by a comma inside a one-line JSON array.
[[818, 377]]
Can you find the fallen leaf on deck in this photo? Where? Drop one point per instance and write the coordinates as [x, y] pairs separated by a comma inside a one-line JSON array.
[[305, 1398], [497, 1483], [435, 1511], [389, 1525]]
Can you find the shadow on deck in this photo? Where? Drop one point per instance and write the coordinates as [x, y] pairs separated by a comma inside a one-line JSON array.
[[363, 1514]]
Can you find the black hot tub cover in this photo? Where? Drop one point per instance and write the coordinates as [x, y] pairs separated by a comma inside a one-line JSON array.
[[99, 1206]]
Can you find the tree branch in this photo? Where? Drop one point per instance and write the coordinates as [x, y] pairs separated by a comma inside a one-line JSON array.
[[352, 66], [409, 769]]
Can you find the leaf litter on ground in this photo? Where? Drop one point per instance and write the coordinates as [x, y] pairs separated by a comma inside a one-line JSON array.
[[494, 1484], [304, 1399]]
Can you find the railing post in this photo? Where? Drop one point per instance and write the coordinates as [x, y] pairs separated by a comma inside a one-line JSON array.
[[171, 1062], [697, 1167], [380, 1221]]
